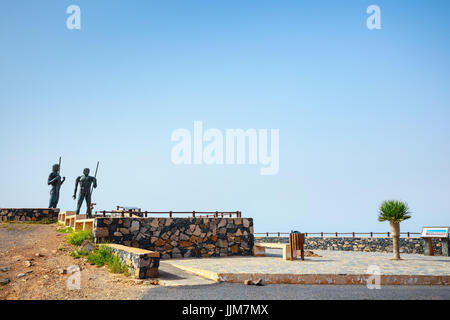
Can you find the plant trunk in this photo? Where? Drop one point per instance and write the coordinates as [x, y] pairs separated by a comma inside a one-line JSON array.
[[395, 231]]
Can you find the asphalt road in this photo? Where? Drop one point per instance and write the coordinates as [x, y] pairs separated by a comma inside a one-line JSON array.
[[181, 285], [228, 291]]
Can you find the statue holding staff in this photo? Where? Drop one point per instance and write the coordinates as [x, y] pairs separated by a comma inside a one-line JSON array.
[[85, 181], [54, 179]]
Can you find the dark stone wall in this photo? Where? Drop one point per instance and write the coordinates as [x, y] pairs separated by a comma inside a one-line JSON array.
[[28, 214], [407, 245], [140, 266], [180, 237]]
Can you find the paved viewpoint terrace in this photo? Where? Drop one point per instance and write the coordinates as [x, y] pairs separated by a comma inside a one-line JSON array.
[[333, 267]]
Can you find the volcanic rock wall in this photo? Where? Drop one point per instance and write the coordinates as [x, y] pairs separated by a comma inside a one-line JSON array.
[[407, 245], [180, 237], [28, 214]]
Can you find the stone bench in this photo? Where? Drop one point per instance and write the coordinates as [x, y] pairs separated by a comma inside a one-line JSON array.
[[62, 216], [84, 224], [77, 222], [71, 219], [141, 263], [259, 250]]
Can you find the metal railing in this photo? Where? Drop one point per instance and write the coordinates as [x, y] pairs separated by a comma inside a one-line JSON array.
[[337, 234], [146, 214]]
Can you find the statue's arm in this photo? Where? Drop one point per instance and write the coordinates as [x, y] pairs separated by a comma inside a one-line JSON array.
[[76, 187], [95, 182], [50, 181]]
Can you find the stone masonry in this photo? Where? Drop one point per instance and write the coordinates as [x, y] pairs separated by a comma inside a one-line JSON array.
[[141, 263], [407, 245], [180, 237], [28, 214]]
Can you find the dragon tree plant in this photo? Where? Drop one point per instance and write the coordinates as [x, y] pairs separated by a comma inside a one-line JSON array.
[[395, 212]]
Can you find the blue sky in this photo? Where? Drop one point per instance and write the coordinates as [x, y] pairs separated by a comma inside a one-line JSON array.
[[363, 114]]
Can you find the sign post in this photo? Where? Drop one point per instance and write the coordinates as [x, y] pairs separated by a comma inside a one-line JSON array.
[[438, 233]]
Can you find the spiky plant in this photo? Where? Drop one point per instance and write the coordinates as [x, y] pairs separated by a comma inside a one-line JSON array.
[[395, 212]]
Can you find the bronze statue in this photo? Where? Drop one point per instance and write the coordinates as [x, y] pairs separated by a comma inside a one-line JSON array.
[[85, 182], [54, 179]]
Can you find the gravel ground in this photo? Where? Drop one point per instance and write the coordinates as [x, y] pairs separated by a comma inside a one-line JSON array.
[[40, 275]]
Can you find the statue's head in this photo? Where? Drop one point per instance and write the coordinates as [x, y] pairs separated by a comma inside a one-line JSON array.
[[86, 171], [55, 167]]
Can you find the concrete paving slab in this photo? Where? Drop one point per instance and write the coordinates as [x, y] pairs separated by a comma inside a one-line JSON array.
[[333, 267], [171, 276]]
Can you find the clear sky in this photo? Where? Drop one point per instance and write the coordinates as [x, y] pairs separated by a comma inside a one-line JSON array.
[[363, 114]]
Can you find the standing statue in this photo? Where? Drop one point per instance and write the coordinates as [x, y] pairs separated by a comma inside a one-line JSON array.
[[85, 182], [54, 179]]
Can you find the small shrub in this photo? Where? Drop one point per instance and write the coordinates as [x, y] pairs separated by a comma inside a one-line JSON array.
[[65, 230], [77, 238], [115, 266], [100, 256], [78, 253], [104, 256]]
